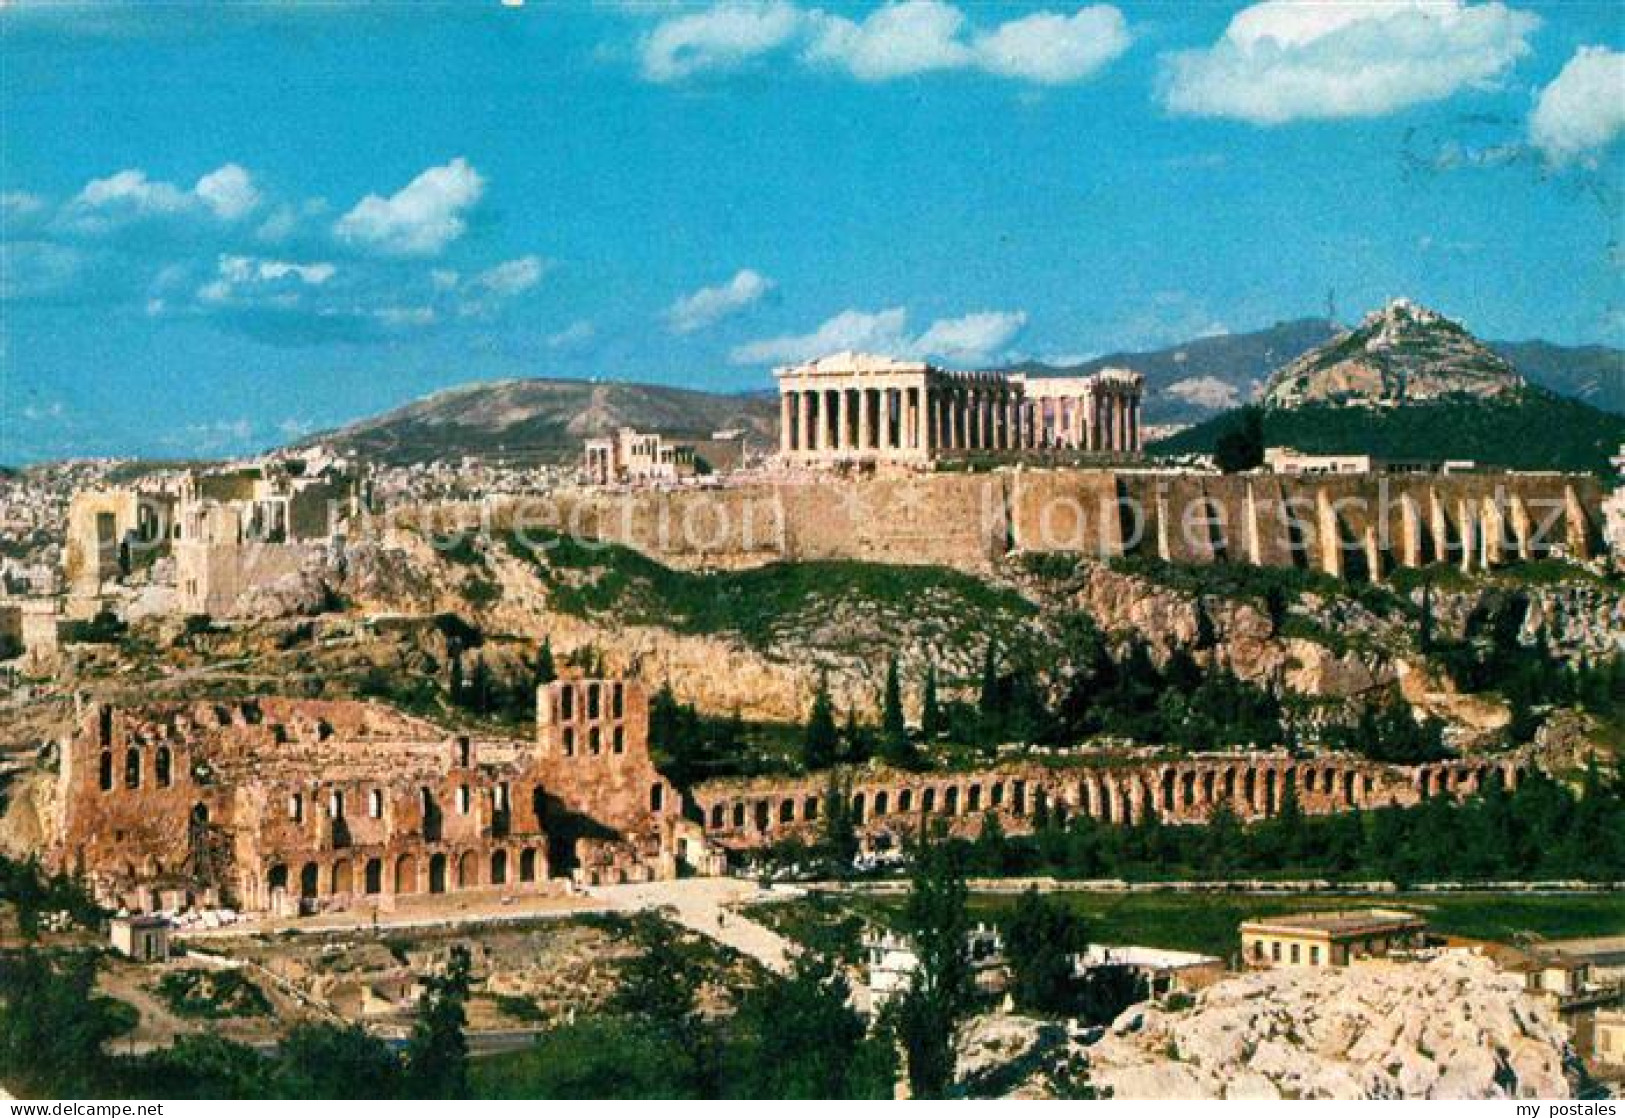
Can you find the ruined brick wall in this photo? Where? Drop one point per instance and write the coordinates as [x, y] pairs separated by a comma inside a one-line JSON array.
[[333, 804], [889, 805], [603, 801], [1354, 527]]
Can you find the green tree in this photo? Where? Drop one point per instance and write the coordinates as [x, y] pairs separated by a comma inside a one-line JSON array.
[[940, 990], [1241, 447], [822, 739], [546, 671], [437, 1053], [1040, 938], [932, 722], [800, 1038], [838, 843], [53, 1024], [892, 724], [325, 1061]]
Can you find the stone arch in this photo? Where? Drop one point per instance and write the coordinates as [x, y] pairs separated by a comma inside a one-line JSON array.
[[787, 811], [905, 800], [809, 808], [309, 880], [339, 876], [859, 805], [372, 877], [882, 801], [764, 815], [1187, 789], [160, 766], [499, 867], [277, 877], [132, 767], [1348, 787], [105, 771], [973, 798], [1271, 793], [406, 875], [527, 864], [1249, 788], [928, 800], [1208, 779], [437, 872], [468, 871], [718, 816], [1167, 790], [950, 800], [739, 815]]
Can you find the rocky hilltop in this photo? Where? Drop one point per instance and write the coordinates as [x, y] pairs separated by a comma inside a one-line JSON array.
[[1454, 1027], [1402, 353], [546, 419]]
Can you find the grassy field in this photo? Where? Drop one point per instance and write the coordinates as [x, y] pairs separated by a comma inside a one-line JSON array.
[[1207, 922]]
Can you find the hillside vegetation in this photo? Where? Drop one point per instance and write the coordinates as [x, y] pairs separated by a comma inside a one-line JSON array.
[[1530, 429]]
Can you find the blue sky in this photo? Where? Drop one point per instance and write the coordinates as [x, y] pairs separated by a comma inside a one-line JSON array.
[[226, 226]]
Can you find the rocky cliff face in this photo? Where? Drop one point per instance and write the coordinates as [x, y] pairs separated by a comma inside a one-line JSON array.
[[1401, 353], [1454, 1027]]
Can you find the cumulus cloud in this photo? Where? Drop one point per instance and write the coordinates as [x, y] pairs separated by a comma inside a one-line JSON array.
[[19, 204], [227, 194], [485, 292], [421, 218], [237, 275], [1054, 49], [1583, 110], [971, 339], [897, 40], [31, 270], [710, 305], [721, 37], [1281, 61]]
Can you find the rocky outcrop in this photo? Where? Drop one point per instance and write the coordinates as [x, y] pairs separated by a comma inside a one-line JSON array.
[[1454, 1027], [1400, 353]]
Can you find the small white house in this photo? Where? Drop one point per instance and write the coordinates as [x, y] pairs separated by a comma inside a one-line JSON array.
[[142, 938]]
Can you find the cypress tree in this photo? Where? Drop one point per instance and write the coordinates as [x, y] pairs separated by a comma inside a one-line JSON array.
[[822, 738], [931, 721]]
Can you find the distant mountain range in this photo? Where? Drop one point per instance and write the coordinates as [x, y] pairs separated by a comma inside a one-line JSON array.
[[1196, 380], [1407, 382], [546, 419]]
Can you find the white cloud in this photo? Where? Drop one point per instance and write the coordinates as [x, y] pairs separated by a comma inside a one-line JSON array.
[[972, 339], [1583, 110], [710, 305], [1282, 60], [1206, 392], [20, 203], [899, 39], [274, 279], [576, 336], [512, 277], [226, 193], [229, 192], [421, 218], [484, 292], [721, 37], [881, 332], [1054, 49]]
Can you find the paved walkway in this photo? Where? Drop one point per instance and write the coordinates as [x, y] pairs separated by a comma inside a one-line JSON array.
[[702, 904]]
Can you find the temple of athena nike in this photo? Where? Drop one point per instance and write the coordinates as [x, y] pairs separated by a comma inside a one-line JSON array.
[[860, 408]]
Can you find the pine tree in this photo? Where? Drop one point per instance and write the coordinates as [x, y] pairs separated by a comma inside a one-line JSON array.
[[437, 1053], [546, 672], [892, 724], [822, 738], [840, 833], [940, 991], [931, 720]]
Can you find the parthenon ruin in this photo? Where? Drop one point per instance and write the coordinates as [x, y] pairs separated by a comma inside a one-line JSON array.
[[862, 408]]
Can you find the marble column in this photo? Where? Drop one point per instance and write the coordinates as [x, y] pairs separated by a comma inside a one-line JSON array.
[[843, 421], [786, 418], [866, 419], [804, 427]]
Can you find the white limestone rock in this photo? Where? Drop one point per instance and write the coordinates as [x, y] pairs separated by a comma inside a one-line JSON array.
[[1452, 1027]]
